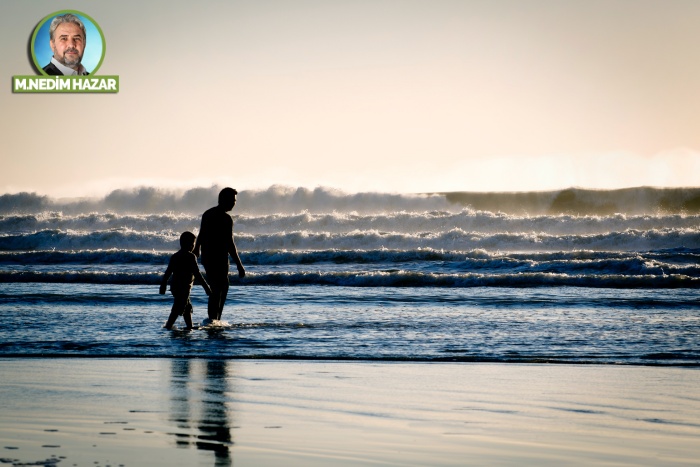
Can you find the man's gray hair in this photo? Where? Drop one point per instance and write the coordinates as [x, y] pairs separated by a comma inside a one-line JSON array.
[[67, 18]]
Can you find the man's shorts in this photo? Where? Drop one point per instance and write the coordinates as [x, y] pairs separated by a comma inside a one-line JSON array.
[[217, 274]]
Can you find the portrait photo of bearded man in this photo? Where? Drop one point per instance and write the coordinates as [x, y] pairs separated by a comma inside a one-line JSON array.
[[67, 39]]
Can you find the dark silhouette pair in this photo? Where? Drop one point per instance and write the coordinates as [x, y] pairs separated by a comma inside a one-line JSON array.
[[215, 243]]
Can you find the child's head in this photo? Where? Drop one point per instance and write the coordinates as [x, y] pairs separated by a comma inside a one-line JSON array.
[[187, 240]]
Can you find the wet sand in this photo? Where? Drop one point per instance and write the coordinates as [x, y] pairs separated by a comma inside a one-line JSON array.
[[152, 412]]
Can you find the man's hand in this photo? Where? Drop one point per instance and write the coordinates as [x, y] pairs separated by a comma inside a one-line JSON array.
[[241, 272], [162, 289]]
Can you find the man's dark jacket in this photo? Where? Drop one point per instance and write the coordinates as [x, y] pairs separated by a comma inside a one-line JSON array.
[[53, 70]]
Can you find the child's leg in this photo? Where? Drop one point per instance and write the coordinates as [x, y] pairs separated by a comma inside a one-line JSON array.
[[179, 304], [171, 319], [187, 314]]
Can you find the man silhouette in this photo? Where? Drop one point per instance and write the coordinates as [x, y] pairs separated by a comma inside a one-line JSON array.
[[215, 240]]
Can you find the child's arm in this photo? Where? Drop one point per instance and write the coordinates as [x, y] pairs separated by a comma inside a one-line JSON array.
[[205, 286], [164, 282], [198, 275]]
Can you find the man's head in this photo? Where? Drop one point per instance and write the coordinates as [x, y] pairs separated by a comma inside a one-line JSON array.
[[227, 198], [187, 240], [67, 40]]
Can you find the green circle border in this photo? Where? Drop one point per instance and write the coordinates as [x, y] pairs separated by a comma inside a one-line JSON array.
[[56, 13]]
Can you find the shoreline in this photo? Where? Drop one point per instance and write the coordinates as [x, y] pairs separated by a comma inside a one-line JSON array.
[[199, 411], [360, 360]]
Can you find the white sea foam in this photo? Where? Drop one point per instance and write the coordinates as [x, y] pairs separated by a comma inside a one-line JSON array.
[[509, 234], [405, 222], [288, 200]]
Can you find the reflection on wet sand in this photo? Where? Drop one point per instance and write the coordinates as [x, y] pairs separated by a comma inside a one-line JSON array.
[[198, 407]]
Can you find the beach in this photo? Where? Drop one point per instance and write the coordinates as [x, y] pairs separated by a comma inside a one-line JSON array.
[[133, 412], [452, 233], [370, 329]]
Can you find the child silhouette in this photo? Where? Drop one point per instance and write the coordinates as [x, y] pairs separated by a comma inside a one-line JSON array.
[[183, 267]]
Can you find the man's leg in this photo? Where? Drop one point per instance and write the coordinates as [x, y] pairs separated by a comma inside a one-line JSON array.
[[217, 277], [222, 297], [223, 293], [214, 298]]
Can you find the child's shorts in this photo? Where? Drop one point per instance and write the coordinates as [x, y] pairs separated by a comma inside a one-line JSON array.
[[182, 303]]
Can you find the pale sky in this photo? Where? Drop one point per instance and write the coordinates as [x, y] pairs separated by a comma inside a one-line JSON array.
[[381, 95]]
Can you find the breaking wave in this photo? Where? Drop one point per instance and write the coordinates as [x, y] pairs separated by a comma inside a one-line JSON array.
[[281, 199], [453, 239], [636, 238]]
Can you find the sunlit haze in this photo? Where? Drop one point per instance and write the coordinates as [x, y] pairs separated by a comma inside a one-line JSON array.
[[378, 95]]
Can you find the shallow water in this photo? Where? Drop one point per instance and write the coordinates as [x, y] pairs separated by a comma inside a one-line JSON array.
[[560, 324]]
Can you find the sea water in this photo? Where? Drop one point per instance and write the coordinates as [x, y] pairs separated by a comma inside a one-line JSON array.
[[573, 276]]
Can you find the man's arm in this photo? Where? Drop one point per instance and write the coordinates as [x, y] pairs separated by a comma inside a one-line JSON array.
[[234, 254], [198, 242]]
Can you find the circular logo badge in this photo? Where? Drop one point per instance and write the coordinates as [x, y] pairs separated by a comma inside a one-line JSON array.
[[67, 40]]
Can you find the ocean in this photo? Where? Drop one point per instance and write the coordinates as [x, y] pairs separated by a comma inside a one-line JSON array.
[[571, 276]]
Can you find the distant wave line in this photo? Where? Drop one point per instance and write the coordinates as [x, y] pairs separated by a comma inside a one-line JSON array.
[[337, 223], [678, 260], [452, 239], [398, 278]]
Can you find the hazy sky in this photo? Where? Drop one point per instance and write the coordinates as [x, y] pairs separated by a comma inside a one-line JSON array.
[[387, 95]]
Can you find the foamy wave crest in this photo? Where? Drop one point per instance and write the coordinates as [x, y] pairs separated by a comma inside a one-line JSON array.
[[397, 278], [665, 262], [419, 279], [287, 200], [467, 220], [455, 239], [461, 240], [383, 256], [29, 223], [102, 257], [276, 199], [576, 201], [109, 239], [282, 199], [148, 200]]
